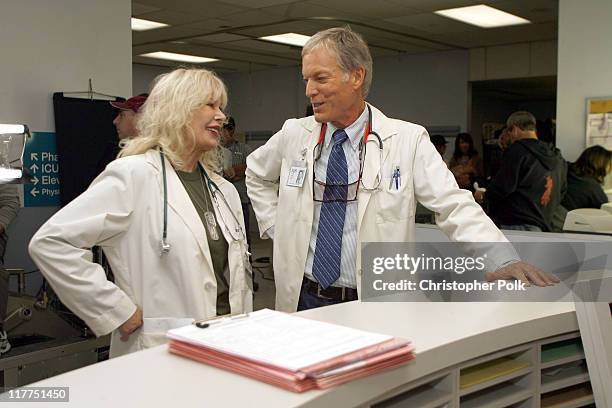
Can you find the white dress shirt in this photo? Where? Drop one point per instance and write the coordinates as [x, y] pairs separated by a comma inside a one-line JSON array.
[[355, 133]]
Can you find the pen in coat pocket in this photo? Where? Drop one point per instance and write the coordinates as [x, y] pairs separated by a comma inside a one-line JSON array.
[[397, 177]]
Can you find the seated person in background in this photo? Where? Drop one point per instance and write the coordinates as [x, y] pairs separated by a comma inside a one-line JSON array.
[[172, 263], [465, 163], [439, 143], [531, 181], [585, 177]]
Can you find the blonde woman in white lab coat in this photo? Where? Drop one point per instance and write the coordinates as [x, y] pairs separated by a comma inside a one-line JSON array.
[[172, 264]]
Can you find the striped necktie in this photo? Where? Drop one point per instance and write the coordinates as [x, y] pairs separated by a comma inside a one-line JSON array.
[[328, 249]]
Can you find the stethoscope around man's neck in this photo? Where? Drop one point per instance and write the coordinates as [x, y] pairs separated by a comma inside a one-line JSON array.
[[362, 142], [362, 150]]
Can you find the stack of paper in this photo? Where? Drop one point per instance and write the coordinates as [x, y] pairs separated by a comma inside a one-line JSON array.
[[289, 351]]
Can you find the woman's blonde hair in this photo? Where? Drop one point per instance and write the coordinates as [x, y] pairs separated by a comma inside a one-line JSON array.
[[164, 119]]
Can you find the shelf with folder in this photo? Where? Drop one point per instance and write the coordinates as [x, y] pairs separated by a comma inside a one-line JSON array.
[[498, 380], [580, 395], [561, 352], [564, 376], [495, 369], [491, 373], [500, 395], [432, 394]]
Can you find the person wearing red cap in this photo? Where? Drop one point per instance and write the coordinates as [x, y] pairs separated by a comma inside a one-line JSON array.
[[125, 122]]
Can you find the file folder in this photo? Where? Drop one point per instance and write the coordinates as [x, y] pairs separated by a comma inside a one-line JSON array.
[[289, 351]]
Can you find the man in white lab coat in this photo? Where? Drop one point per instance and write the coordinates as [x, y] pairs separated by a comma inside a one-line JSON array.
[[362, 191]]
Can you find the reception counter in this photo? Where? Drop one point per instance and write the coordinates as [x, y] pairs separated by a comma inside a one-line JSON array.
[[449, 338]]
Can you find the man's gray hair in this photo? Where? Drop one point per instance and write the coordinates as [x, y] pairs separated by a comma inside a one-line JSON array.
[[522, 120], [350, 49]]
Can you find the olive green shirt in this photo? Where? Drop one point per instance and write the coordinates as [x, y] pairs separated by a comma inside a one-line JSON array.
[[196, 187]]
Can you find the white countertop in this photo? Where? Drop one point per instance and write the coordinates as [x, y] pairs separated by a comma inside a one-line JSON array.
[[444, 334]]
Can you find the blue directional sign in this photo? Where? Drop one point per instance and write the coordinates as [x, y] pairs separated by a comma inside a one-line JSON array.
[[40, 159]]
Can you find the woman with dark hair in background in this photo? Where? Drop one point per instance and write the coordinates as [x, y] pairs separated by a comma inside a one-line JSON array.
[[585, 177], [465, 164]]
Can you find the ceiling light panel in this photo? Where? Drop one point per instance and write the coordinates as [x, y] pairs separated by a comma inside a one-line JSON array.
[[288, 39], [171, 56], [138, 24], [483, 16]]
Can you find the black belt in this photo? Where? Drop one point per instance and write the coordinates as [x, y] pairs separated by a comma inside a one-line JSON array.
[[331, 293]]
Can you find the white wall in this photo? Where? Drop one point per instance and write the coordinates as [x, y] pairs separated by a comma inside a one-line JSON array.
[[58, 45], [429, 89], [49, 46], [263, 100], [143, 76], [585, 67], [260, 100], [520, 60]]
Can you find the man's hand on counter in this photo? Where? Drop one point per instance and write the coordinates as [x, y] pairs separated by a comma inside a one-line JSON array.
[[523, 272]]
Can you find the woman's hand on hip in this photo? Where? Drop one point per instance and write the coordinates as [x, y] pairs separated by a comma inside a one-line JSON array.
[[131, 325]]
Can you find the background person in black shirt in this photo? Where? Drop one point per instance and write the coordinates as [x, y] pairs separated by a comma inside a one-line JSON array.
[[531, 181], [585, 177]]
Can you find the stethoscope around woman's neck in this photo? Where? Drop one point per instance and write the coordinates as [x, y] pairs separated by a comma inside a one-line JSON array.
[[164, 246]]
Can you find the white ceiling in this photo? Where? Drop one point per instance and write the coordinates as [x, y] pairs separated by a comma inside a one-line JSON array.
[[228, 29]]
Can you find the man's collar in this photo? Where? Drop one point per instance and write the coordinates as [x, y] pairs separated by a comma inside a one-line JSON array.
[[355, 130]]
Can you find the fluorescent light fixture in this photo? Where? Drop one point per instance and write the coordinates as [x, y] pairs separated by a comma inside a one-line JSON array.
[[288, 38], [178, 57], [11, 129], [8, 175], [482, 16], [138, 24]]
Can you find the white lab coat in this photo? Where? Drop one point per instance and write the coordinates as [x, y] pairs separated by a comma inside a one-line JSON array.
[[122, 211], [386, 215]]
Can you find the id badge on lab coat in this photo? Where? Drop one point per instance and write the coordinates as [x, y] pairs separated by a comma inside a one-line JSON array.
[[297, 174]]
